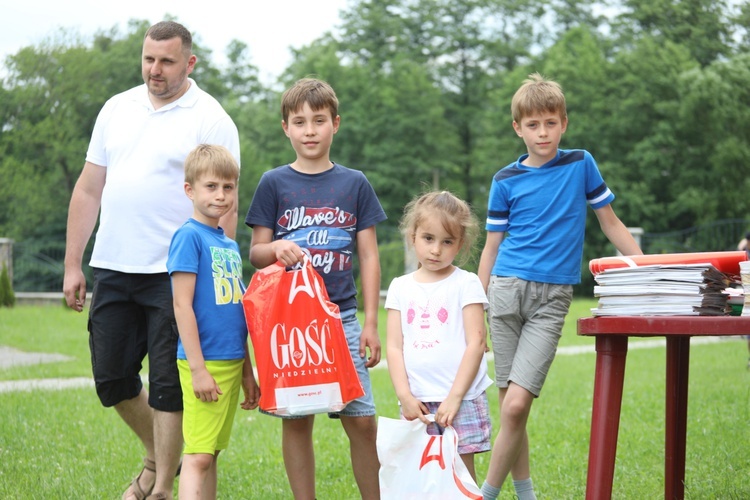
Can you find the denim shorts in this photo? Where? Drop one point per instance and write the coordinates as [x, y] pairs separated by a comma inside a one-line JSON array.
[[132, 315], [365, 405], [526, 320], [472, 424]]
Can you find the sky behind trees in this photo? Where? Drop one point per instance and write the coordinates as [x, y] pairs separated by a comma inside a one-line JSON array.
[[268, 28]]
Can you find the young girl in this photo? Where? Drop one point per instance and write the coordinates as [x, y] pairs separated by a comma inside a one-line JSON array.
[[436, 333]]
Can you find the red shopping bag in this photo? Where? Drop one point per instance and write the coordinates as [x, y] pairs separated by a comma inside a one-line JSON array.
[[417, 465], [301, 354]]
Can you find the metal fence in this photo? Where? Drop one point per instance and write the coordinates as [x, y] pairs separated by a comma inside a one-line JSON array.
[[37, 265], [719, 236]]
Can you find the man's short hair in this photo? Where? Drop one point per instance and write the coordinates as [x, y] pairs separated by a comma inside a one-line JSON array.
[[166, 30]]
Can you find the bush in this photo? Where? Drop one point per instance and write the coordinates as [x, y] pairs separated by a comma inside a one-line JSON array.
[[7, 297]]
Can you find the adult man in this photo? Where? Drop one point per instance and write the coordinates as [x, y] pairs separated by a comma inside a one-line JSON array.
[[134, 174]]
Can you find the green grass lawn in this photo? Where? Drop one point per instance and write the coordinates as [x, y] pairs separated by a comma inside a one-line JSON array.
[[63, 444]]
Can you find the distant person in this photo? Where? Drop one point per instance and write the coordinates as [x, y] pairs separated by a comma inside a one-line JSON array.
[[743, 244], [212, 355], [536, 219], [321, 209], [134, 173], [436, 336]]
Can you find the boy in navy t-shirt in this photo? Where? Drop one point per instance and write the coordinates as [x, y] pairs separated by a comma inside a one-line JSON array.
[[328, 212]]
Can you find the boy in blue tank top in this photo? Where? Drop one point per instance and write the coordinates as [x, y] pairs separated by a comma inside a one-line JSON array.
[[536, 218], [212, 354]]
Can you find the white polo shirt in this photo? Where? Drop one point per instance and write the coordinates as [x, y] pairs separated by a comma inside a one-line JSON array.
[[144, 150]]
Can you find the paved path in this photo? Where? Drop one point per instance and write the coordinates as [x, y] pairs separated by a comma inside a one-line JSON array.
[[12, 357]]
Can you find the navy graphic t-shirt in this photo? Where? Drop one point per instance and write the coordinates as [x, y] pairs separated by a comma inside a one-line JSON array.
[[322, 213]]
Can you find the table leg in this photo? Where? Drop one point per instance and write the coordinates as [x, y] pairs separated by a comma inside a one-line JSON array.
[[611, 352], [678, 364]]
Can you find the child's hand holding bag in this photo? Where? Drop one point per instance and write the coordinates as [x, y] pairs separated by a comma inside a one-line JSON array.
[[414, 464]]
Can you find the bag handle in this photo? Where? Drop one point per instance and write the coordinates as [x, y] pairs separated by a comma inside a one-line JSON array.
[[305, 279], [296, 267]]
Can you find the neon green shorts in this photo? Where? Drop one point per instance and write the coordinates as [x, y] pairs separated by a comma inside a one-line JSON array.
[[206, 426]]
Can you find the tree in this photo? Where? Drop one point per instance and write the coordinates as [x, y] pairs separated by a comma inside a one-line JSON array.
[[702, 26], [391, 122], [644, 154], [459, 47], [49, 100], [47, 118], [657, 93], [714, 106]]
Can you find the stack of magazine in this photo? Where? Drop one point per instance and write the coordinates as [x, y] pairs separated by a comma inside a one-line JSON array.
[[662, 290]]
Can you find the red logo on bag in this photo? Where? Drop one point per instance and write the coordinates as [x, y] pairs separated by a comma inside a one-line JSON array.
[[427, 457]]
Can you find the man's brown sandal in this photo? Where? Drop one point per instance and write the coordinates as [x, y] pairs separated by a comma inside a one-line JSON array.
[[135, 487]]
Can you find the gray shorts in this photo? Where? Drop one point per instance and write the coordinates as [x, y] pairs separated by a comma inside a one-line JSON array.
[[526, 320]]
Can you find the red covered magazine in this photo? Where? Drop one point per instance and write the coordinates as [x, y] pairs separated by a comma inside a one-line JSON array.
[[726, 262]]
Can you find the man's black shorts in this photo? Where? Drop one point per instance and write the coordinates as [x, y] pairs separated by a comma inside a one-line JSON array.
[[132, 315]]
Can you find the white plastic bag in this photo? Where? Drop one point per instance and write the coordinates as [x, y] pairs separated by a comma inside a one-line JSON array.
[[414, 464]]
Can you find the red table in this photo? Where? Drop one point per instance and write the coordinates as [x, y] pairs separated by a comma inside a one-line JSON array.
[[612, 334]]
